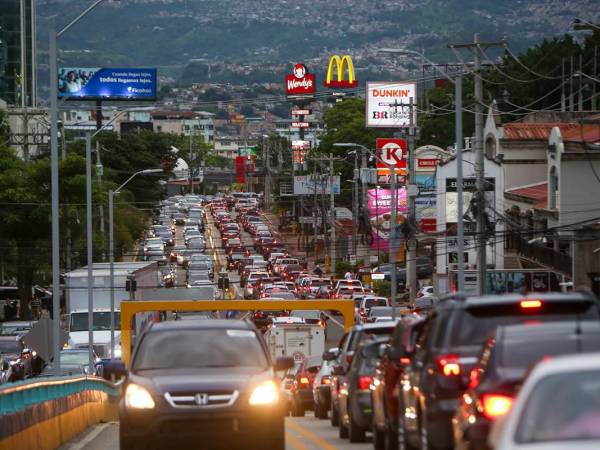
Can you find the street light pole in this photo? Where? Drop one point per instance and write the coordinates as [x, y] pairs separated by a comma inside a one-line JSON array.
[[111, 252], [53, 111], [90, 270]]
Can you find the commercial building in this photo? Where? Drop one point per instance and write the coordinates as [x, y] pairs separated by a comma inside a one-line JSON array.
[[17, 53]]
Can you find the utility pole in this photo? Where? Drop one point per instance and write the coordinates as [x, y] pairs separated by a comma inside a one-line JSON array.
[[477, 46], [267, 159], [363, 166], [355, 206], [332, 215], [412, 191], [460, 232], [393, 250]]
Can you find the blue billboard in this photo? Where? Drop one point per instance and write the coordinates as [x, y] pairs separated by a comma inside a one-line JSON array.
[[95, 83]]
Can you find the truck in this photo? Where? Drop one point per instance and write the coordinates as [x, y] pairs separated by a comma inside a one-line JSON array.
[[137, 275], [295, 340]]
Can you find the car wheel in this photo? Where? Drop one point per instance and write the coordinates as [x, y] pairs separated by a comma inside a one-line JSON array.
[[378, 439], [297, 410], [355, 432], [335, 416], [343, 430], [128, 443]]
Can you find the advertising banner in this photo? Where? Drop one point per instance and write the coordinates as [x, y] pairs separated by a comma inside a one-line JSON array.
[[307, 185], [95, 83], [388, 104], [379, 208], [300, 83], [299, 151], [240, 172]]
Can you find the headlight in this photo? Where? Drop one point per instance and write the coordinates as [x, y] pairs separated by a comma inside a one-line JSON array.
[[137, 397], [264, 394]]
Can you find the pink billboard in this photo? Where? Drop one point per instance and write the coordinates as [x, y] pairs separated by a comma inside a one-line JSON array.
[[379, 207]]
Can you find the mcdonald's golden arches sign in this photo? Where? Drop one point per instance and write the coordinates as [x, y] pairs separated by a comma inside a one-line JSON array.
[[337, 80]]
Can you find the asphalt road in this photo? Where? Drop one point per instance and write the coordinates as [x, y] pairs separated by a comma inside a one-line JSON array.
[[301, 433]]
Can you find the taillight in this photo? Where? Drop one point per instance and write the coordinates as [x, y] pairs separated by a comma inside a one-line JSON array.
[[405, 361], [449, 365], [531, 304], [304, 380], [364, 382], [349, 359], [495, 405], [474, 378], [326, 380]]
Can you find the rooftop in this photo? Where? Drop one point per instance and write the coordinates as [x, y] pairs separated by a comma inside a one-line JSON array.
[[537, 194]]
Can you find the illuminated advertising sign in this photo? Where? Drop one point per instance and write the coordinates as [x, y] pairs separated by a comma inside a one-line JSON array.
[[94, 83], [338, 82], [299, 151], [391, 152], [300, 82], [296, 124], [388, 104], [379, 207]]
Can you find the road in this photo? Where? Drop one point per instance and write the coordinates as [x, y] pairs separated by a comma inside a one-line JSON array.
[[301, 433]]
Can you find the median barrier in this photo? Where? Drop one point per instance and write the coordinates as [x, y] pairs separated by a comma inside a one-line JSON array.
[[44, 413]]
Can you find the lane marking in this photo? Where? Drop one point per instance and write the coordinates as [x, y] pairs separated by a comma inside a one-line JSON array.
[[89, 437], [317, 440], [294, 441]]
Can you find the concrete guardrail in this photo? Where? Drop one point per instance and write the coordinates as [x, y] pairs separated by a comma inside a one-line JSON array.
[[44, 413]]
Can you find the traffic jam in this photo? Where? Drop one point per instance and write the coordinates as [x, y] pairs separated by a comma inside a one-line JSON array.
[[505, 372]]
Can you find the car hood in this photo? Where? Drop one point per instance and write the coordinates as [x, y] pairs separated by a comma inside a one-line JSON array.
[[204, 379]]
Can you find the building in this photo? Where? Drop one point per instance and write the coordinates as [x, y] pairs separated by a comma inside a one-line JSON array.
[[188, 123], [447, 216], [17, 53], [284, 128]]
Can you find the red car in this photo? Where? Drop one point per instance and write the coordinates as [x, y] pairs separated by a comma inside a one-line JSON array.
[[301, 392]]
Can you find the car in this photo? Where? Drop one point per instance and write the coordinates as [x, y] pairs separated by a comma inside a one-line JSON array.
[[502, 367], [448, 346], [557, 407], [385, 383], [348, 345], [201, 266], [347, 292], [202, 381], [179, 219], [322, 384], [364, 303], [263, 318], [200, 257], [195, 276], [14, 368], [301, 392], [354, 399], [310, 316], [249, 283], [381, 313], [196, 243], [75, 362]]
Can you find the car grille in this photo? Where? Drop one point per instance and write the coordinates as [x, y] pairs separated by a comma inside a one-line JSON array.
[[204, 426], [201, 399]]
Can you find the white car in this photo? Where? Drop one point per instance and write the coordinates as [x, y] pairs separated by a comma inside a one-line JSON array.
[[558, 407]]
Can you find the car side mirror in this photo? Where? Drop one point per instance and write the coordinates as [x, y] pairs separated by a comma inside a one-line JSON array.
[[338, 370], [283, 363]]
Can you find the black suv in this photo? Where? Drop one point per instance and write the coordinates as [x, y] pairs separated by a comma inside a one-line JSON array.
[[448, 346], [347, 346], [205, 382]]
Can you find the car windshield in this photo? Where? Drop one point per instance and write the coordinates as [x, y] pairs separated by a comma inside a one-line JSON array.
[[200, 348], [562, 407], [381, 312], [79, 321], [475, 325], [74, 358]]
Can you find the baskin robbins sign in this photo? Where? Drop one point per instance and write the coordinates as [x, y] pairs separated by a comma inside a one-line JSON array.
[[93, 83], [300, 83]]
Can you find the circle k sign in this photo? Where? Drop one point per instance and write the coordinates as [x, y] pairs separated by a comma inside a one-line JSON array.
[[391, 152]]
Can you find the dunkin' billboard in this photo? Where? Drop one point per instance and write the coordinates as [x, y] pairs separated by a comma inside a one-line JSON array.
[[388, 104], [300, 83]]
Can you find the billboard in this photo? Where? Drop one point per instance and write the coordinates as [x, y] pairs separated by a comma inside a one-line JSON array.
[[388, 104], [307, 185], [299, 151], [96, 83], [338, 82], [379, 208], [300, 82], [240, 169]]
